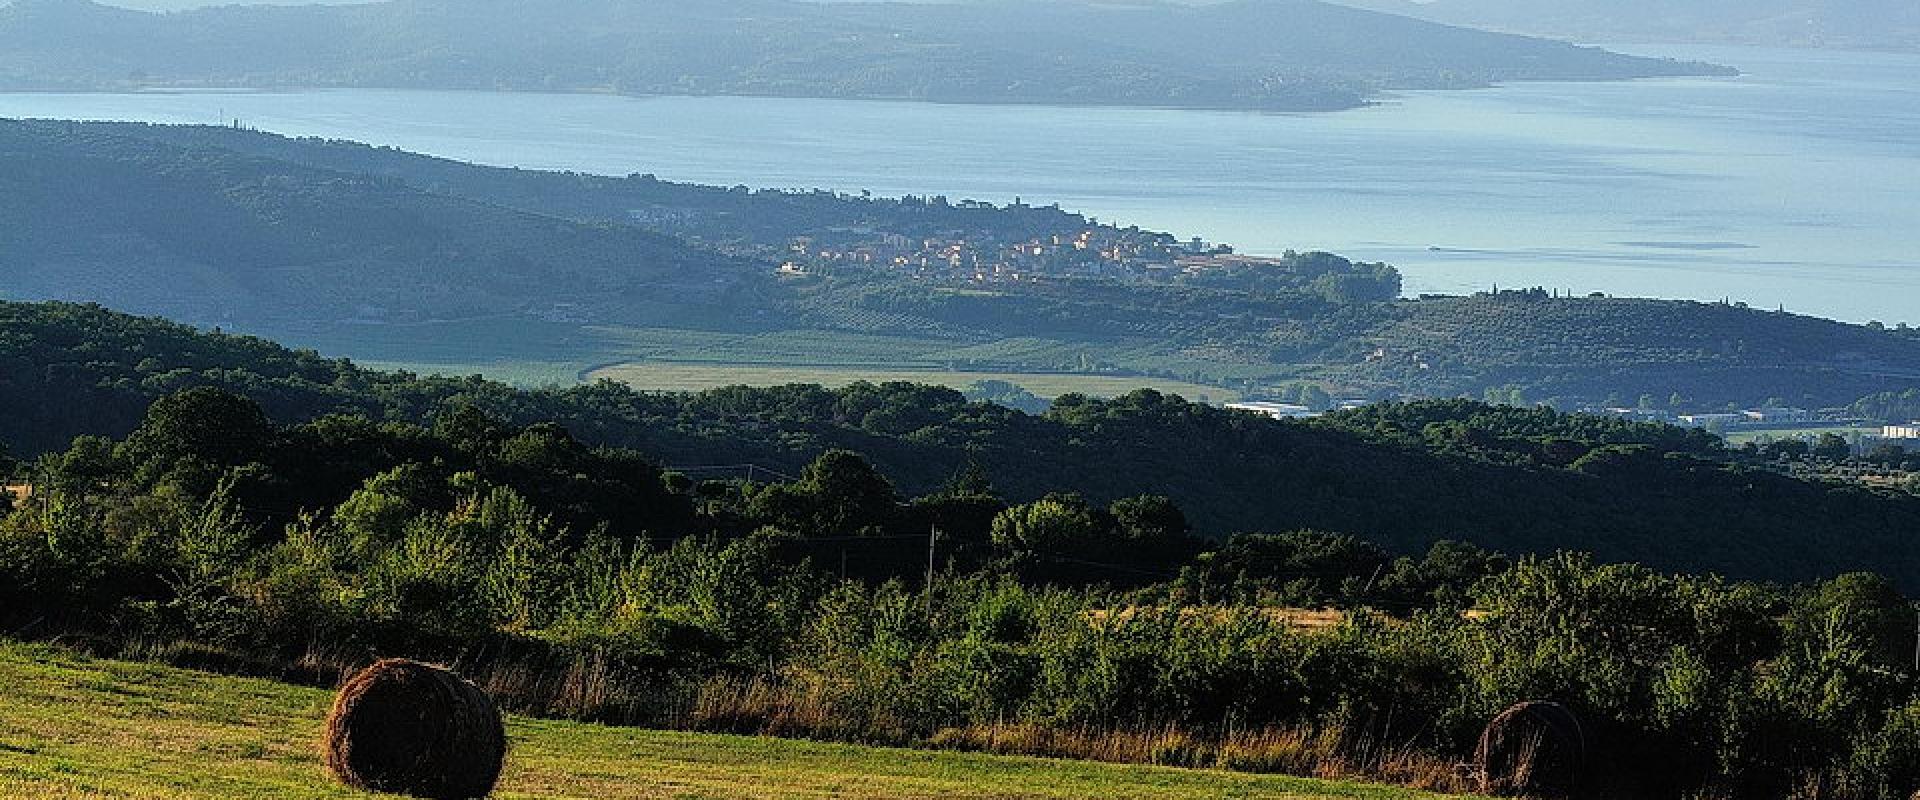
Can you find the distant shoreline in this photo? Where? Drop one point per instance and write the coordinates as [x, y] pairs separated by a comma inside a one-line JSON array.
[[1377, 97], [1062, 102]]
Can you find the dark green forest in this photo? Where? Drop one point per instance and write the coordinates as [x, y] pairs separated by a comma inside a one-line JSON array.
[[1897, 406], [1401, 475], [233, 505]]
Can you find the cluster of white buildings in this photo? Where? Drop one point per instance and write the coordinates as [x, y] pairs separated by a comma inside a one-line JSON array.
[[984, 256], [1276, 410], [1291, 410]]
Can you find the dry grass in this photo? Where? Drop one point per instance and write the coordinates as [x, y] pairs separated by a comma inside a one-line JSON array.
[[1303, 619], [76, 727], [801, 710], [763, 707], [1327, 753], [589, 688]]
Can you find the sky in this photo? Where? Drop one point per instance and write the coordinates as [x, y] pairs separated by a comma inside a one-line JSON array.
[[181, 5]]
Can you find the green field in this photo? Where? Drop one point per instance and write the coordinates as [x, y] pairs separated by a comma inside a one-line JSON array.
[[1740, 437], [524, 374], [529, 353], [667, 376], [73, 727]]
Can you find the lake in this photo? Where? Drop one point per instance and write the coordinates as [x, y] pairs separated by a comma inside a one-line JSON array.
[[1796, 185]]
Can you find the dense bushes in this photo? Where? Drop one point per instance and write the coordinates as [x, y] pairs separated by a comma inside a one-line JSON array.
[[585, 583]]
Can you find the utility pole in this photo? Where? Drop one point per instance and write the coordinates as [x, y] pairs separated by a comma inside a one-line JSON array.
[[40, 487], [933, 538]]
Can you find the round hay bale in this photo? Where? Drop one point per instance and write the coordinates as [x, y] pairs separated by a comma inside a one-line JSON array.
[[405, 727], [1534, 750]]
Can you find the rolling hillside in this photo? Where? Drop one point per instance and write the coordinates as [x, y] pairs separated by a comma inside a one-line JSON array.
[[224, 238], [405, 259]]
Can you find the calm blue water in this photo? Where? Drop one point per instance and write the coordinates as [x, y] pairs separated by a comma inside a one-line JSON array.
[[1797, 185]]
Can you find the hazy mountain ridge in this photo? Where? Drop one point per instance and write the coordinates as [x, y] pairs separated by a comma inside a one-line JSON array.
[[1254, 54], [1870, 24]]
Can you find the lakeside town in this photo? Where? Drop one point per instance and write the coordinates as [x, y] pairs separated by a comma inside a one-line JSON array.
[[987, 256]]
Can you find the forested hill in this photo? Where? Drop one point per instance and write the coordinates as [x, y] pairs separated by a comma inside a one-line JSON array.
[[220, 237], [736, 218], [1285, 54], [1402, 475]]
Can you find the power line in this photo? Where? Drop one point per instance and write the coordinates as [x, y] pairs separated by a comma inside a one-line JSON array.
[[750, 469]]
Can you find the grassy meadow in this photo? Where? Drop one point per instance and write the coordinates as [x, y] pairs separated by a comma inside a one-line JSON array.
[[74, 727], [532, 354]]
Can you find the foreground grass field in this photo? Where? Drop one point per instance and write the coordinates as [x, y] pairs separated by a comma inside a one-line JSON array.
[[73, 727], [663, 376]]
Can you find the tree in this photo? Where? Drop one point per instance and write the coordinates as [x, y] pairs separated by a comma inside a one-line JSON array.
[[1315, 398], [83, 468], [542, 448], [1045, 526], [1832, 447], [468, 428], [7, 468], [1786, 448], [209, 550], [198, 431], [840, 493], [971, 480], [1866, 608], [849, 493], [377, 514], [1307, 568], [1149, 518], [1444, 577], [1007, 394]]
